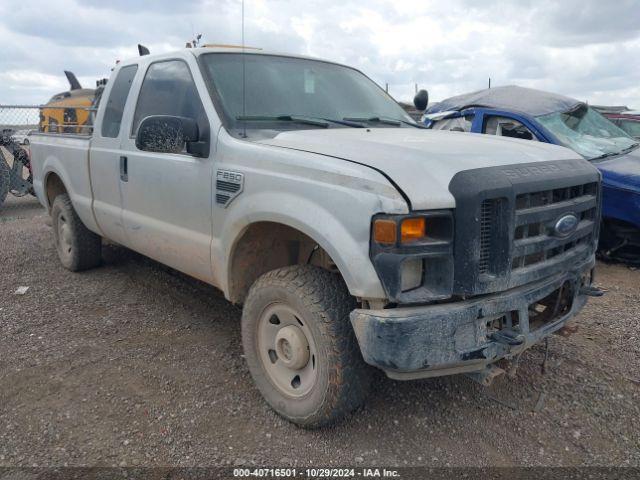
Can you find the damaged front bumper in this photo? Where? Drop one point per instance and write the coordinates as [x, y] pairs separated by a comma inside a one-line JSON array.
[[468, 336]]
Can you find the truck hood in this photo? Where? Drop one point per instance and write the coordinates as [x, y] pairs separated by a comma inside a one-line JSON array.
[[621, 187], [421, 163], [621, 172]]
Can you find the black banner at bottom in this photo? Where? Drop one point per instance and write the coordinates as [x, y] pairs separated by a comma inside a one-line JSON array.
[[404, 473]]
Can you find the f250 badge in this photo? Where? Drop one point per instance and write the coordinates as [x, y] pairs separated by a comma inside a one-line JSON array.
[[228, 186]]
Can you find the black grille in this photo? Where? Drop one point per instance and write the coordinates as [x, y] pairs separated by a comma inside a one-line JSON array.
[[493, 222], [506, 219], [535, 241], [487, 216]]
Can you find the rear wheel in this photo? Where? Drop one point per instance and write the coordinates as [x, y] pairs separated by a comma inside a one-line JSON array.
[[300, 346], [78, 248]]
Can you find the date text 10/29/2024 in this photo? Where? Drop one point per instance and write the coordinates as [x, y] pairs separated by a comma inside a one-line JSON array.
[[315, 473]]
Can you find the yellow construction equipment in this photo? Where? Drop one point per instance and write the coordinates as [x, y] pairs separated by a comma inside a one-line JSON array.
[[70, 111]]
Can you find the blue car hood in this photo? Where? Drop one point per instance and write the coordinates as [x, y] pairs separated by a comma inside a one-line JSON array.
[[621, 172]]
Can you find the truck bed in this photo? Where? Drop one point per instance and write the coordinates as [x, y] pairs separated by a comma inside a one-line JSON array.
[[68, 156]]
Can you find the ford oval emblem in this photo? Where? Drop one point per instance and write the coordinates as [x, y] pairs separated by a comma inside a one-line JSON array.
[[566, 225]]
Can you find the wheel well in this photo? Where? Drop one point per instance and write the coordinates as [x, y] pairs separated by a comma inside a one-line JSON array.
[[265, 246], [53, 188]]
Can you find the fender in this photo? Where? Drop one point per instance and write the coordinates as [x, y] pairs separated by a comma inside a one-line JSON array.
[[313, 220], [327, 199], [82, 203]]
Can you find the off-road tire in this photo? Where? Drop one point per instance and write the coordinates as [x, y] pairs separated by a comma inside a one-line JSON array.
[[84, 247], [343, 378], [5, 180]]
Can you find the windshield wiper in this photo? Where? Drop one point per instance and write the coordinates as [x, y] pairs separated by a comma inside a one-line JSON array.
[[283, 118], [347, 122], [630, 147], [320, 121], [621, 152], [384, 120], [605, 155]]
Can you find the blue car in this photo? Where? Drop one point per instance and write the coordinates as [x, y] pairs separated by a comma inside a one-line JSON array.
[[535, 115]]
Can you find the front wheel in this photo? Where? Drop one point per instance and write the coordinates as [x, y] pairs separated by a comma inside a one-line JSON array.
[[300, 346]]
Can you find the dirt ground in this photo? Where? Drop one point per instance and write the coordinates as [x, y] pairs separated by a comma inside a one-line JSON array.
[[135, 364]]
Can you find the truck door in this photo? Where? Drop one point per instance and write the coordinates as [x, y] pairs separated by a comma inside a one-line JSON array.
[[167, 208], [104, 157]]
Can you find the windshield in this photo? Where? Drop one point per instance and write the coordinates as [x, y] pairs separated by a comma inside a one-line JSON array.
[[632, 127], [280, 87], [587, 132]]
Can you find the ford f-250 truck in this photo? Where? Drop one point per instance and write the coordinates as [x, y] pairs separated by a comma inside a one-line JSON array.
[[352, 236]]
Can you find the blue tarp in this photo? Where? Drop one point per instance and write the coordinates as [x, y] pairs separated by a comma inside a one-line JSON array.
[[511, 98]]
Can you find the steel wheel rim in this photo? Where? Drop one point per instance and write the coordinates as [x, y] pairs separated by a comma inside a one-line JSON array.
[[278, 325], [65, 244]]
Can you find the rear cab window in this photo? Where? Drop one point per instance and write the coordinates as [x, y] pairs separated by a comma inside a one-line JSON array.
[[116, 101]]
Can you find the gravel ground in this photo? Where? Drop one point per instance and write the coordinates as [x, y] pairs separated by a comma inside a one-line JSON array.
[[135, 364]]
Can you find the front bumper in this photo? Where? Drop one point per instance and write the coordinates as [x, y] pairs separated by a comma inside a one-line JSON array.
[[443, 339]]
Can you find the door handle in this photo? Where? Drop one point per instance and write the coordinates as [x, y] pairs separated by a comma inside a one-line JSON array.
[[124, 169]]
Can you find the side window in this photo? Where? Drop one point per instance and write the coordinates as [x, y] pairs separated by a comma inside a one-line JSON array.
[[457, 124], [116, 101], [507, 127], [168, 89]]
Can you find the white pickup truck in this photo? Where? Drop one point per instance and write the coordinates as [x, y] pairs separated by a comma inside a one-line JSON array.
[[352, 236]]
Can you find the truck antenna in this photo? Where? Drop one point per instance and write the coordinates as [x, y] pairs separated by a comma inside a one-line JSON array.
[[142, 50], [244, 96]]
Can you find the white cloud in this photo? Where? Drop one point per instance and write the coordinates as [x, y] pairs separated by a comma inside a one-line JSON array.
[[582, 48]]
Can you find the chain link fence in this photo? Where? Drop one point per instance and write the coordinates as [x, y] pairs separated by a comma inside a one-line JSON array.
[[22, 119], [17, 122]]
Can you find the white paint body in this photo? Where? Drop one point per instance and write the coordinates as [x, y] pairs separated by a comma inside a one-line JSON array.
[[325, 183]]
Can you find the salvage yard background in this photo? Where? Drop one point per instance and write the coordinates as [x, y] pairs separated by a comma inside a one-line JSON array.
[[135, 364]]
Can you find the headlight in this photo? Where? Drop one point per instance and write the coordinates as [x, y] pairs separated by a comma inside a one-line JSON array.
[[413, 255], [411, 274]]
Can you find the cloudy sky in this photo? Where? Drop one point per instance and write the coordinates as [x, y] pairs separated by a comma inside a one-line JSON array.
[[587, 49]]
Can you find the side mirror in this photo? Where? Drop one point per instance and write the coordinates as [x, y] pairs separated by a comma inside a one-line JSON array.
[[421, 100], [170, 134]]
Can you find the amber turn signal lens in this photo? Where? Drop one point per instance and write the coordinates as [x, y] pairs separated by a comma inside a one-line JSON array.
[[384, 231], [412, 229]]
